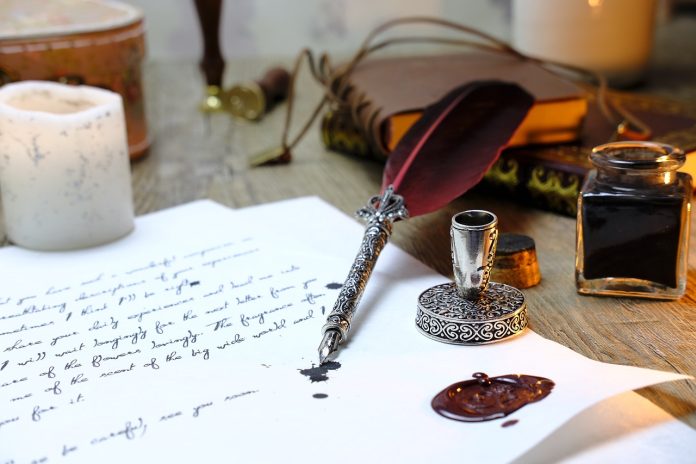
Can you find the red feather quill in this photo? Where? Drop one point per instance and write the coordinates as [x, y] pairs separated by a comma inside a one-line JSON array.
[[441, 156], [456, 140]]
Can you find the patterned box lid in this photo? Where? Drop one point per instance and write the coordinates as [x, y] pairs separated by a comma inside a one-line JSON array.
[[31, 19]]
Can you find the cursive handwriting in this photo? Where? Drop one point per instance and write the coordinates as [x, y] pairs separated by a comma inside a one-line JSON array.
[[25, 327], [19, 344], [118, 371], [121, 327], [237, 339], [60, 337], [98, 359], [185, 340], [276, 326], [130, 431], [310, 315], [4, 422]]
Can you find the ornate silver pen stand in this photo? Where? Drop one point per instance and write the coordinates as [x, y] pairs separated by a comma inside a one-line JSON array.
[[472, 310]]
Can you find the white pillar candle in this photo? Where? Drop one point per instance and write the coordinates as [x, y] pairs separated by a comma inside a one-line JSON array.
[[64, 168], [613, 37]]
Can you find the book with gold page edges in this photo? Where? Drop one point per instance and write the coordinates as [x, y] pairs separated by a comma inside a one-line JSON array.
[[387, 96]]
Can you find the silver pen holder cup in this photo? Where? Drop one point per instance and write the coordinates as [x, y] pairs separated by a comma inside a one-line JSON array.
[[472, 310], [474, 236]]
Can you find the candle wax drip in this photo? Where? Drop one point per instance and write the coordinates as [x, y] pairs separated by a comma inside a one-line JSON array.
[[486, 398]]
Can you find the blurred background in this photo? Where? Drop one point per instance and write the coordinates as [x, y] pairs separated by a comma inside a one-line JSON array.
[[280, 28]]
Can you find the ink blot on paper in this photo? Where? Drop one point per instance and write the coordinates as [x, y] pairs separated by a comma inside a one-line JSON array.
[[320, 395], [486, 398], [319, 373], [509, 423], [334, 286]]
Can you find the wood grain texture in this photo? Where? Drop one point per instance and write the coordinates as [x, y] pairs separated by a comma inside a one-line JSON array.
[[197, 155]]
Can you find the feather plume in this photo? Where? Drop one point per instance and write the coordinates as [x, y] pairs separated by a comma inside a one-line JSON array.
[[456, 140]]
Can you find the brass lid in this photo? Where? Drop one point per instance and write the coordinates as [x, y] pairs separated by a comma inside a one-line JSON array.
[[516, 261], [247, 100]]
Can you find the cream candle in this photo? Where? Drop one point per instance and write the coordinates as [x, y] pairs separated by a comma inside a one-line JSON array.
[[64, 170], [613, 37]]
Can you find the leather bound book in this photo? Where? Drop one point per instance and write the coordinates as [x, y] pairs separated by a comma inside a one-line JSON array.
[[386, 96], [548, 176]]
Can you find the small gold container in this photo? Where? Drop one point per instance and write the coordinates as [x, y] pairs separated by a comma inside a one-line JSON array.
[[516, 261], [251, 100], [247, 101]]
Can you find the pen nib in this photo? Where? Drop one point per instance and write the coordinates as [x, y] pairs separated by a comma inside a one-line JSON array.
[[328, 345]]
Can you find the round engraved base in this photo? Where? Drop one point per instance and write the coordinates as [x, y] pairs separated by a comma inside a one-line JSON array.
[[500, 313]]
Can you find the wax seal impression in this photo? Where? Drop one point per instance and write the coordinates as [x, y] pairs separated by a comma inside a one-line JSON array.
[[486, 398], [472, 310]]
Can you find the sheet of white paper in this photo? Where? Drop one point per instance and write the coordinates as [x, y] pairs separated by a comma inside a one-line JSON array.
[[623, 428], [185, 341]]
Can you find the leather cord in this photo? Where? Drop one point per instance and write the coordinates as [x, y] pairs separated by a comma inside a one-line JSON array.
[[335, 81]]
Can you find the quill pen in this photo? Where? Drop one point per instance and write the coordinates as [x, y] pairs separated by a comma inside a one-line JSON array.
[[445, 153]]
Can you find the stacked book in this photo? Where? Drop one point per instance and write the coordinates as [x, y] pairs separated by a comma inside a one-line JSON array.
[[546, 159]]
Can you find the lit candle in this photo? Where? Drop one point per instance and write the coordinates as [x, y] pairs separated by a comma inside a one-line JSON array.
[[613, 37], [64, 170]]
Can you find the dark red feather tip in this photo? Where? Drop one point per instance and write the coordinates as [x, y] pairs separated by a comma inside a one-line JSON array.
[[456, 140]]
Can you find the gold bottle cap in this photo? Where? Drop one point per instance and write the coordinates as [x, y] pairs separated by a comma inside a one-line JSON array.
[[247, 100], [516, 261]]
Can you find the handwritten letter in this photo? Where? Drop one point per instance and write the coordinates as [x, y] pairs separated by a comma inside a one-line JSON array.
[[63, 340], [187, 342]]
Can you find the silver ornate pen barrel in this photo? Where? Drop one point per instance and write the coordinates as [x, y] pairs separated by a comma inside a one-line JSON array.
[[379, 213], [474, 237]]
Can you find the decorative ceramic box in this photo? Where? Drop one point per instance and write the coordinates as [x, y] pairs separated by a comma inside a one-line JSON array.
[[88, 42]]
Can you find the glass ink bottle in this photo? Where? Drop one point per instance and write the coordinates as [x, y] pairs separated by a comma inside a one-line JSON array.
[[633, 222]]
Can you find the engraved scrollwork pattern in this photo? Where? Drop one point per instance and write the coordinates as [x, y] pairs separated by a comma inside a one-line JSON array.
[[498, 300], [444, 316], [490, 258], [380, 213]]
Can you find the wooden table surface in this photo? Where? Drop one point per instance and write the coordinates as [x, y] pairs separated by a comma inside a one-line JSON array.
[[196, 155]]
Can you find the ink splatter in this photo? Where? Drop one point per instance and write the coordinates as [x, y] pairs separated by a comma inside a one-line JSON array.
[[509, 423], [320, 395], [194, 283], [318, 373], [334, 286]]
